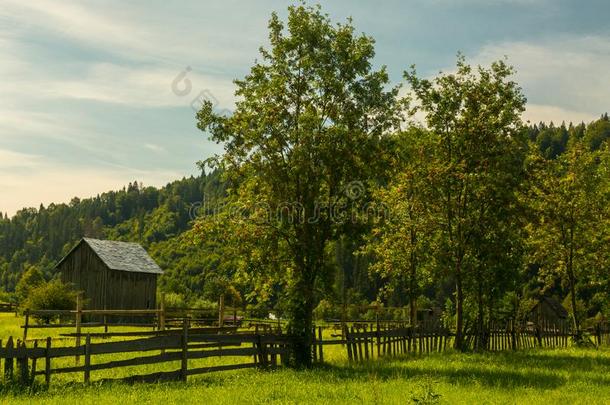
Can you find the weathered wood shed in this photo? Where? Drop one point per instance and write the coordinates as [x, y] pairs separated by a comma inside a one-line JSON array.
[[111, 275], [548, 309]]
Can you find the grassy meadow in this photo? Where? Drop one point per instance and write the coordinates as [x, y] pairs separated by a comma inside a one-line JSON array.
[[525, 377]]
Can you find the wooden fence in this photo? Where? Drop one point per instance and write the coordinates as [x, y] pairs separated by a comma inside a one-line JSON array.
[[266, 346], [175, 345], [367, 341], [157, 319], [601, 332], [8, 307]]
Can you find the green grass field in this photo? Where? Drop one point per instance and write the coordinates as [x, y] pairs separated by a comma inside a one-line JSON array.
[[525, 377]]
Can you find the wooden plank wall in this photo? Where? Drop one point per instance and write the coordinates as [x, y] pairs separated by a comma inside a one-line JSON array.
[[87, 272]]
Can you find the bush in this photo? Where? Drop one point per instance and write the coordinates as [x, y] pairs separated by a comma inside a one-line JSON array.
[[323, 311], [175, 300], [51, 295], [7, 297]]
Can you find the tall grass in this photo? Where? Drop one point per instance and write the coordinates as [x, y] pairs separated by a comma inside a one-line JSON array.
[[525, 377]]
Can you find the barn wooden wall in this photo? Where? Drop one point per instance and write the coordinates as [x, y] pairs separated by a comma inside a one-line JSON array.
[[130, 290], [87, 272]]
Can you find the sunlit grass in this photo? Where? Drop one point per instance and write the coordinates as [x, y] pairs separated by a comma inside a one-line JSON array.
[[525, 377]]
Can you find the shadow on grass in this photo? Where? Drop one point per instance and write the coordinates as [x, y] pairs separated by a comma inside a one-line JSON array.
[[459, 375], [585, 361]]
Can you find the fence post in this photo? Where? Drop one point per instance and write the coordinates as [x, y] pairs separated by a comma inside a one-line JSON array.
[[262, 354], [33, 374], [343, 320], [8, 362], [162, 313], [79, 309], [22, 363], [320, 344], [47, 363], [348, 343], [184, 357], [221, 310], [378, 336], [538, 334], [314, 348], [27, 322], [87, 358], [598, 333]]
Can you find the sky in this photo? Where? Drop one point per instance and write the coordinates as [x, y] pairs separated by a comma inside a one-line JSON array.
[[96, 94]]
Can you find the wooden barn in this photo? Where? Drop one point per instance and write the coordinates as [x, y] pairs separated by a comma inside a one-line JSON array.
[[111, 275], [548, 309]]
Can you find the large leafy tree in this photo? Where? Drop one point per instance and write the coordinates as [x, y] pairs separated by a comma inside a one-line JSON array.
[[308, 122], [475, 115]]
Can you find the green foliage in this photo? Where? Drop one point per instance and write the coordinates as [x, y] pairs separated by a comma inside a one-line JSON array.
[[570, 228], [31, 279], [324, 310], [474, 118], [50, 295], [310, 119], [175, 300]]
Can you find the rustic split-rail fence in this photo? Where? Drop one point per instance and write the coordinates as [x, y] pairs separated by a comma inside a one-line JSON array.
[[24, 364], [265, 347]]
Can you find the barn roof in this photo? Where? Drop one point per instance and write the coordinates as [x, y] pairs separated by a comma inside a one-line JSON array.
[[124, 256], [555, 306]]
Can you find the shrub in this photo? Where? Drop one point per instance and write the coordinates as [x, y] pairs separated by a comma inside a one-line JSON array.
[[51, 295], [175, 300], [323, 311]]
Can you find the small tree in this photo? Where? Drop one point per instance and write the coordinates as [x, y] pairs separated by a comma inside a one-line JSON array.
[[399, 241], [475, 116], [31, 279], [569, 231], [51, 295]]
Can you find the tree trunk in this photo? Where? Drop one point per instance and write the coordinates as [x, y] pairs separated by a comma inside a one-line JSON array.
[[572, 280], [301, 320], [413, 286], [459, 310], [480, 344], [576, 322]]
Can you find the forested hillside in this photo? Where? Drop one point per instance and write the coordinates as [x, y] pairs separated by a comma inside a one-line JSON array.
[[155, 217]]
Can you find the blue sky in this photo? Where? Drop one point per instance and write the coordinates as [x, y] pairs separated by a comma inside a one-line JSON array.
[[86, 100]]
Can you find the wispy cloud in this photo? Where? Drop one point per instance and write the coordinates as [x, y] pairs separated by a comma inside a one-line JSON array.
[[564, 78], [15, 160], [154, 147], [87, 103]]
